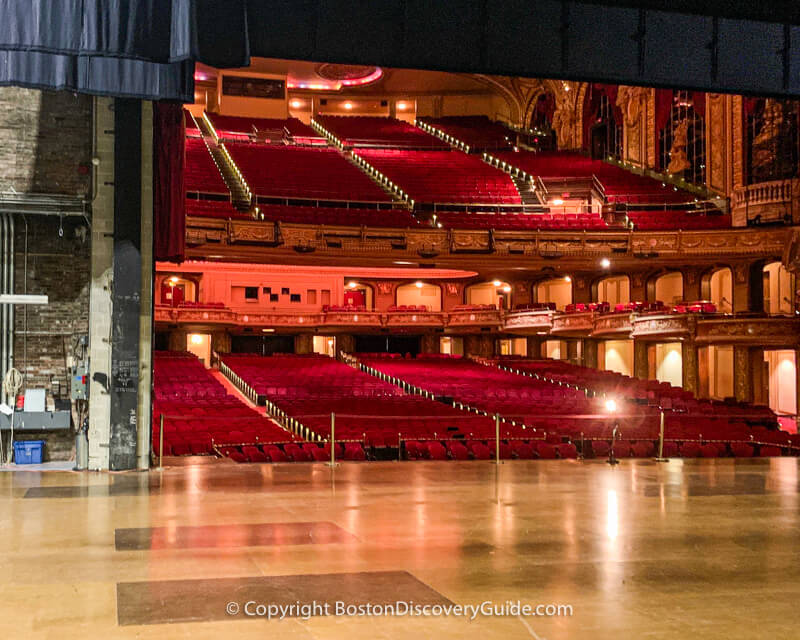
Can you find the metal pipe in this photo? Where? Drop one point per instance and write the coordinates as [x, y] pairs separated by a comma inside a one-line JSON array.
[[11, 287]]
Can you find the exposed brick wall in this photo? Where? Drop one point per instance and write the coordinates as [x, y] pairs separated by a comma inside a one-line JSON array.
[[45, 147], [45, 141], [57, 266]]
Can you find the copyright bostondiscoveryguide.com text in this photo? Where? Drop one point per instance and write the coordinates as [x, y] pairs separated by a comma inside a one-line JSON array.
[[307, 610]]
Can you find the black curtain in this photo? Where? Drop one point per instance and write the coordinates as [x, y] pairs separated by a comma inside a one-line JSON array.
[[169, 220]]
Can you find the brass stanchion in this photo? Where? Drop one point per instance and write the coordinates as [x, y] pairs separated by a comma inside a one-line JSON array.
[[161, 442], [661, 457], [332, 463], [497, 438]]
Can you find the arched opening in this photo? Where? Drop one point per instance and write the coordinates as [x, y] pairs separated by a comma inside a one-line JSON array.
[[416, 294], [200, 345], [772, 144], [680, 121], [175, 290], [542, 113], [779, 290], [556, 290], [616, 355], [717, 287], [496, 292], [668, 288], [359, 295], [614, 290], [781, 365]]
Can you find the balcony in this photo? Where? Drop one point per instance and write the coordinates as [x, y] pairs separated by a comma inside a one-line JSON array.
[[529, 322], [767, 202], [576, 325]]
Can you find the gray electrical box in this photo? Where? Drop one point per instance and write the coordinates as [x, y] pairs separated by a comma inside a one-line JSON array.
[[77, 384]]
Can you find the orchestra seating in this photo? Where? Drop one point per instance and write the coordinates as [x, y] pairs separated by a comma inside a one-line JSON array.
[[245, 129], [519, 220], [556, 403], [477, 132], [201, 174], [443, 176], [377, 131], [303, 173], [201, 418], [369, 411]]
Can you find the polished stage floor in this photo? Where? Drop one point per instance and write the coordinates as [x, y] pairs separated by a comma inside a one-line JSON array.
[[685, 549]]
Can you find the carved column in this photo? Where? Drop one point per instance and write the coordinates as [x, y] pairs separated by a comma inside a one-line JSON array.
[[221, 341], [304, 343], [691, 284], [742, 374], [177, 340], [534, 348], [581, 291], [690, 367], [429, 343], [757, 375], [640, 359], [741, 287], [345, 342], [590, 353], [638, 287], [481, 346]]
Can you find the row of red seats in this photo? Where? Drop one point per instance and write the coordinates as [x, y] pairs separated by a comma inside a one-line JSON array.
[[404, 308], [303, 172], [443, 176], [237, 126], [347, 308], [580, 307], [222, 209], [520, 220], [474, 307], [201, 173], [561, 410], [478, 132], [374, 130], [486, 450], [367, 409], [199, 416], [658, 220]]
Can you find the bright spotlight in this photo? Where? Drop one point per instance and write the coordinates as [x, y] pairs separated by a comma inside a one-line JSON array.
[[418, 284], [611, 405], [352, 285], [567, 279], [196, 338], [496, 283], [605, 263]]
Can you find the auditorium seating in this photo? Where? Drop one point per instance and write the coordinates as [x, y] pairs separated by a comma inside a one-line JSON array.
[[236, 128], [377, 131], [201, 418], [370, 413], [663, 220], [201, 173], [354, 217], [556, 402], [303, 173], [190, 125], [514, 220], [443, 176], [222, 209], [478, 132]]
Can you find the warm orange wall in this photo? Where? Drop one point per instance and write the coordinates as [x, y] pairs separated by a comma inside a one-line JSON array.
[[252, 107]]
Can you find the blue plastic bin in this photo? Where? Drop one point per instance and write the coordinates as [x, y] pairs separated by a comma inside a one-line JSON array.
[[28, 451]]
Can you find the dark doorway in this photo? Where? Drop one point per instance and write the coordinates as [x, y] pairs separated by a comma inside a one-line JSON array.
[[600, 137], [388, 344], [262, 345]]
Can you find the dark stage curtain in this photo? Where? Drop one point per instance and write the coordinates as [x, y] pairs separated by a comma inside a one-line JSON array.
[[123, 48], [169, 220]]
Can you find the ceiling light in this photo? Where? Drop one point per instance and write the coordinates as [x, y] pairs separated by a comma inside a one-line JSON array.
[[418, 284], [506, 289], [567, 279], [174, 279], [196, 338], [496, 283], [558, 202], [268, 330], [296, 104], [348, 105], [605, 263], [352, 285]]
